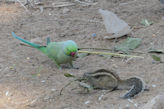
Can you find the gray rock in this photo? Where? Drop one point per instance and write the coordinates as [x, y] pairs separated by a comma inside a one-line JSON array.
[[155, 103]]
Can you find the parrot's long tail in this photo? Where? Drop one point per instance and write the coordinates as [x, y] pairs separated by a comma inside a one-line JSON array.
[[39, 47]]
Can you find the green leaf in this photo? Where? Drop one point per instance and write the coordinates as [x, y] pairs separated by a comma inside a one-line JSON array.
[[128, 44], [68, 75], [145, 22], [156, 58]]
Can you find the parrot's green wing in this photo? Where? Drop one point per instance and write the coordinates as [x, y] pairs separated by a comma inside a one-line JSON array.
[[53, 49]]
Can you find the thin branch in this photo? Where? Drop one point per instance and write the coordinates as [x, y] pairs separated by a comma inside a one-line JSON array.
[[110, 49], [112, 54], [65, 86], [23, 6]]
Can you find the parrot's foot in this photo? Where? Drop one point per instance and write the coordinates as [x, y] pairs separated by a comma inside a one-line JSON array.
[[72, 67], [58, 66], [75, 67], [69, 67]]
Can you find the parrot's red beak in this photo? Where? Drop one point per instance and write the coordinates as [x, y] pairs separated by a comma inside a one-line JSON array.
[[73, 54]]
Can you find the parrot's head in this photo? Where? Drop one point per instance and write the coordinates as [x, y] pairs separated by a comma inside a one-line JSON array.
[[70, 48]]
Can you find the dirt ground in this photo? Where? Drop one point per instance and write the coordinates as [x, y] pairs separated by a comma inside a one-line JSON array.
[[29, 80]]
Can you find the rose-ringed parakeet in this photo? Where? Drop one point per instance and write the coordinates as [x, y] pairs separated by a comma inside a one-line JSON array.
[[61, 52]]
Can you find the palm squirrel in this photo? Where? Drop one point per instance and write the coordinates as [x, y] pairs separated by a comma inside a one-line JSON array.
[[109, 80]]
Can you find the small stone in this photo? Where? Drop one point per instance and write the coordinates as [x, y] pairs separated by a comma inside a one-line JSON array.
[[100, 97], [130, 101], [87, 102], [53, 90], [163, 18], [43, 81], [66, 10], [7, 93], [28, 58], [136, 105], [127, 105], [153, 85], [94, 35], [154, 35]]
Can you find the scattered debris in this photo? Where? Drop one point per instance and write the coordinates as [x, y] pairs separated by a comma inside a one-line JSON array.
[[68, 75], [127, 105], [43, 81], [85, 3], [53, 90], [163, 18], [145, 22], [153, 85], [156, 51], [49, 14], [7, 93], [87, 102], [28, 58], [157, 58], [59, 5], [128, 44], [23, 5], [115, 26], [32, 103], [94, 35], [130, 101], [66, 10], [135, 104], [100, 97]]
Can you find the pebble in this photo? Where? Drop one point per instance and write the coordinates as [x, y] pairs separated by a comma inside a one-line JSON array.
[[66, 10], [100, 97], [153, 85], [53, 90], [7, 93], [43, 81], [87, 102], [94, 35]]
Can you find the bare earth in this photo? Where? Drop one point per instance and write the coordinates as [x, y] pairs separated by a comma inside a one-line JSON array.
[[29, 80]]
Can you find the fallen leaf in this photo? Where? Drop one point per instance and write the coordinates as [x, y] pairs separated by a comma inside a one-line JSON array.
[[145, 22], [128, 44], [156, 51], [68, 75], [156, 58]]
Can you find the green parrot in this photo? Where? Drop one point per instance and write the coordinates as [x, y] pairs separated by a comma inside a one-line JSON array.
[[60, 52]]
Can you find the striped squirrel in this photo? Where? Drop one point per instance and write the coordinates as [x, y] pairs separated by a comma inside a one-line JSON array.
[[109, 80]]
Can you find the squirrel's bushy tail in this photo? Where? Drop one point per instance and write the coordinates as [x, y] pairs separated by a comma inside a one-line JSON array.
[[136, 86]]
